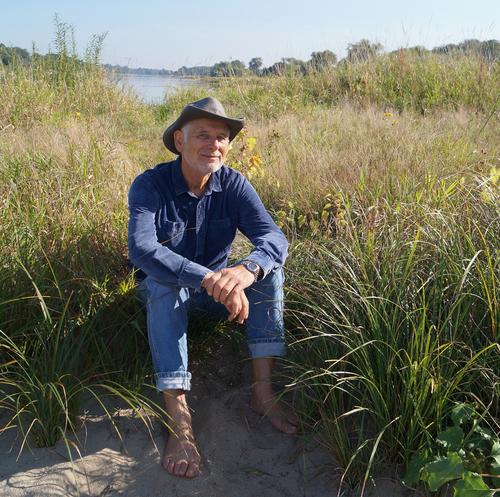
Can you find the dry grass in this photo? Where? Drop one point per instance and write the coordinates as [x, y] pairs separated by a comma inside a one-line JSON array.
[[311, 154]]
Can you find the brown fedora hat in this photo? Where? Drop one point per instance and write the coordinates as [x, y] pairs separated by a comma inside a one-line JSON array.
[[208, 107]]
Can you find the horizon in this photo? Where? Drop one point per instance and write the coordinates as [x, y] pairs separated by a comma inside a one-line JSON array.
[[136, 33], [246, 62]]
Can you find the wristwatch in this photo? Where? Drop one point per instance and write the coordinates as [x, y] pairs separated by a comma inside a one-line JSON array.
[[253, 267]]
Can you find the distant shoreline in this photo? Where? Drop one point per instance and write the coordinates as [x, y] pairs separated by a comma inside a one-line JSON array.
[[175, 76]]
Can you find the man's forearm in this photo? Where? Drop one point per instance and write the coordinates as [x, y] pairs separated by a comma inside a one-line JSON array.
[[164, 265]]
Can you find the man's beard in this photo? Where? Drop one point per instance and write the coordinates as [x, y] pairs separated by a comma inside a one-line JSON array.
[[211, 169]]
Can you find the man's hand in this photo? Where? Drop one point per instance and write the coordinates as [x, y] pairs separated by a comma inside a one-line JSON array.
[[227, 287], [220, 284], [238, 306]]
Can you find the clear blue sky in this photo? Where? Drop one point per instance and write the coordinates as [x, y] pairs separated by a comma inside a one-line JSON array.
[[173, 33]]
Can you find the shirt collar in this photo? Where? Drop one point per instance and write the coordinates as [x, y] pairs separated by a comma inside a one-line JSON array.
[[214, 183], [180, 185], [177, 178]]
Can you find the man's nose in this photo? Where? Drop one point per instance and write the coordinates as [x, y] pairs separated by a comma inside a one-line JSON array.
[[214, 142]]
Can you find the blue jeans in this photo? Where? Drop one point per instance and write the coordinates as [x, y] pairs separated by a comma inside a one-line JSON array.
[[168, 309]]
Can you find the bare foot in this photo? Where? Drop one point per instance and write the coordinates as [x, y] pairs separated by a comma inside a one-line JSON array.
[[280, 416], [265, 402], [181, 457]]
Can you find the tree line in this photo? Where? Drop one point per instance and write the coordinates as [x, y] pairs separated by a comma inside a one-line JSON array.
[[356, 52]]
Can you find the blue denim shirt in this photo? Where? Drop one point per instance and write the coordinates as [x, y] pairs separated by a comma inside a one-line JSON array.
[[177, 238]]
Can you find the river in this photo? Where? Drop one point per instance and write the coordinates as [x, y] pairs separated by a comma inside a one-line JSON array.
[[152, 88]]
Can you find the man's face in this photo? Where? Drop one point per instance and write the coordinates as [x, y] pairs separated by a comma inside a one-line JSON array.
[[203, 144]]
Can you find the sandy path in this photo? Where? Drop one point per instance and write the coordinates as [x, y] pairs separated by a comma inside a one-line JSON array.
[[242, 455]]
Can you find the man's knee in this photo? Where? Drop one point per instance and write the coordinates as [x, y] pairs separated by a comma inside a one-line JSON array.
[[276, 277], [151, 292]]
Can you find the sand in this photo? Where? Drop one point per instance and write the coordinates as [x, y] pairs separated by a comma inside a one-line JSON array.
[[242, 454]]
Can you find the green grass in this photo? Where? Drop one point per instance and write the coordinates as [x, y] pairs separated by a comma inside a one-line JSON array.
[[383, 174], [398, 82], [397, 321]]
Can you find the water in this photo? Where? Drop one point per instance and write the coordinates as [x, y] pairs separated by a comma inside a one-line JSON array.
[[152, 88]]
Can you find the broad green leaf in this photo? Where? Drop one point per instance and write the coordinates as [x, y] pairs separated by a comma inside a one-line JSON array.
[[461, 413], [412, 475], [443, 470], [495, 469], [476, 442], [451, 438], [471, 485], [495, 451], [495, 455], [484, 433]]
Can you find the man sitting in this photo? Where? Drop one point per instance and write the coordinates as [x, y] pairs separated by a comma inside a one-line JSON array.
[[183, 219]]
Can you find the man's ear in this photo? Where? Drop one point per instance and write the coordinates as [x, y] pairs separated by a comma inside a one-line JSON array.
[[178, 140]]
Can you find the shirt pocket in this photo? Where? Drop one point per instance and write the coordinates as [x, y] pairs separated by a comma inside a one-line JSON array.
[[220, 235], [171, 234]]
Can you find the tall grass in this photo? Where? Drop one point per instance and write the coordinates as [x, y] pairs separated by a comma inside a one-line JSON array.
[[70, 327], [383, 174], [404, 81], [397, 320], [62, 85], [393, 274]]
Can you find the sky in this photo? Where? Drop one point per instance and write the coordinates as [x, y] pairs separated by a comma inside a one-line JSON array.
[[170, 34]]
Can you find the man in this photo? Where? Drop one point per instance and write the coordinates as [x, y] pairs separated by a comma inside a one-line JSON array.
[[183, 219]]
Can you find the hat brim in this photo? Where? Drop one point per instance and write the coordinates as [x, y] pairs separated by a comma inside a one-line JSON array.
[[188, 114]]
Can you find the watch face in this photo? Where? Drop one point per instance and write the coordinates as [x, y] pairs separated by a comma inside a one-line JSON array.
[[251, 266]]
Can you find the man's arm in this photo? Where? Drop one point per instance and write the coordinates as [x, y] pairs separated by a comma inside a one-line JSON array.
[[156, 260], [271, 249], [271, 245]]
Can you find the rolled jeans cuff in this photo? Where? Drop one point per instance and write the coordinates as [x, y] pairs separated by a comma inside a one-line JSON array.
[[179, 380], [266, 347]]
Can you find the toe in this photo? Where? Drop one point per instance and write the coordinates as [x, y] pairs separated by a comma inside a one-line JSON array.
[[193, 470], [283, 425], [171, 466], [180, 468]]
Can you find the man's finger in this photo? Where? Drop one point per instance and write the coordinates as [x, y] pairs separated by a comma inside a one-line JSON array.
[[243, 313], [237, 303], [209, 281], [235, 310], [220, 286], [233, 305], [228, 290]]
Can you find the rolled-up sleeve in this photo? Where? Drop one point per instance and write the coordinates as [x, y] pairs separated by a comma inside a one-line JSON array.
[[145, 252], [271, 245]]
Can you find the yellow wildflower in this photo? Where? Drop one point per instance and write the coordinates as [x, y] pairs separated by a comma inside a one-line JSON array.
[[251, 141], [256, 160]]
